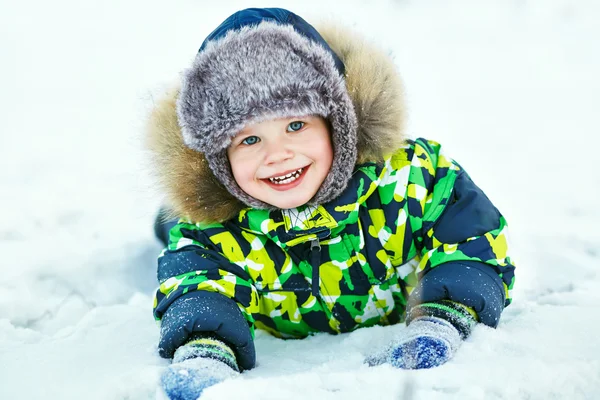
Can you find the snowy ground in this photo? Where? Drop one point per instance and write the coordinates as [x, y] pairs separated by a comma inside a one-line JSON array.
[[510, 87]]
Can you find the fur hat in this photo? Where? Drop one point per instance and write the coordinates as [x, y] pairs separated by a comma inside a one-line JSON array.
[[271, 65]]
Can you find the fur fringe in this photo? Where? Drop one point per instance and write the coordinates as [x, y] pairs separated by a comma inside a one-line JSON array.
[[376, 91]]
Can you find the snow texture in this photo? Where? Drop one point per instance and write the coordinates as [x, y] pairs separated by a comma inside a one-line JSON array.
[[509, 87]]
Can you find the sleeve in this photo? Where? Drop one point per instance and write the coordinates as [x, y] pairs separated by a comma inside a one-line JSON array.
[[202, 290], [462, 239]]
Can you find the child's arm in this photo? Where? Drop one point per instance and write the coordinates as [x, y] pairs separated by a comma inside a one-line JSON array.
[[202, 292], [464, 274], [463, 245]]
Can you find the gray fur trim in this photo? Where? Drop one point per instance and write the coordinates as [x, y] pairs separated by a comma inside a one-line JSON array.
[[258, 73]]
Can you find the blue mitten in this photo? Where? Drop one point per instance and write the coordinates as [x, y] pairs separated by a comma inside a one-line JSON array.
[[430, 339], [427, 342], [197, 365]]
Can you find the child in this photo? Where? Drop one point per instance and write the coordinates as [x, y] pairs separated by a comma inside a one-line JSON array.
[[304, 209]]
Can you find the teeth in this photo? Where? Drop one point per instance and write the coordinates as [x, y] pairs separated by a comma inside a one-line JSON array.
[[281, 180]]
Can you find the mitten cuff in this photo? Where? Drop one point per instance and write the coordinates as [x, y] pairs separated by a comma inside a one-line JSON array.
[[463, 318], [208, 347]]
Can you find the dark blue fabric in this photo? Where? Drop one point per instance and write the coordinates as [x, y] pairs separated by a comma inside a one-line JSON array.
[[469, 213], [254, 16], [471, 283], [162, 226], [202, 311], [192, 258]]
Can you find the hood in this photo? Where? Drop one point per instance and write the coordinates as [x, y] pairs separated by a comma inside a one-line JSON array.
[[190, 188]]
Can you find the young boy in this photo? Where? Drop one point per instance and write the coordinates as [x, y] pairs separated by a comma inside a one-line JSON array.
[[304, 209]]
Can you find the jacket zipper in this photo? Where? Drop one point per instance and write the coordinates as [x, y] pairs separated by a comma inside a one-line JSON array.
[[315, 262]]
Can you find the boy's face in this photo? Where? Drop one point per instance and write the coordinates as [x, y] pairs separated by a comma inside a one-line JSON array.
[[282, 162]]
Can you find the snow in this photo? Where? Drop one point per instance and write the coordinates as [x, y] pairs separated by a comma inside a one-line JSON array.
[[510, 88]]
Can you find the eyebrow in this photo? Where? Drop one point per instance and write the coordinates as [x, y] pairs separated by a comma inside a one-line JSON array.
[[242, 134]]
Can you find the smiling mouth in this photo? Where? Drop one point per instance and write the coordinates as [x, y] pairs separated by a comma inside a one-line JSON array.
[[287, 181], [287, 178]]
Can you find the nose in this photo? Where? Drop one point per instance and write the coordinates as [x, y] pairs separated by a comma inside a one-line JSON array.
[[277, 151]]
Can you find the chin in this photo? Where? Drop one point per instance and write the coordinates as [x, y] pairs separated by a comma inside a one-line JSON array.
[[288, 203]]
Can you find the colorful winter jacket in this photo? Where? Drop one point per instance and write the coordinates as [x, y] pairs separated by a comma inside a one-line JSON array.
[[410, 228]]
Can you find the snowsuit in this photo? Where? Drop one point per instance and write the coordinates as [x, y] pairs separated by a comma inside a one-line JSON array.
[[411, 227]]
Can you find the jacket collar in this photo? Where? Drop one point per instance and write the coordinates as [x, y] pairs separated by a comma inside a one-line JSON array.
[[306, 223]]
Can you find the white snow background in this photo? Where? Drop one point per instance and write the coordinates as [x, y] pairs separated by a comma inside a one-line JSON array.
[[509, 87]]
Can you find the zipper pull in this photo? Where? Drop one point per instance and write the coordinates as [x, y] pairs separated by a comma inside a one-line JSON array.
[[315, 245], [315, 262]]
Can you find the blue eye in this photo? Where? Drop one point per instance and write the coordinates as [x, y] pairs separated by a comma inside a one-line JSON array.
[[295, 126], [251, 140]]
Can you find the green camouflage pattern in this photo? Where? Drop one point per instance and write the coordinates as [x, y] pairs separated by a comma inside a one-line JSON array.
[[369, 247]]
